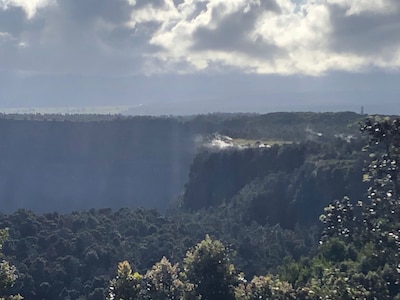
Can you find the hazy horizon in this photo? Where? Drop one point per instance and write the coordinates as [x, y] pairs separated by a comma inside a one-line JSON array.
[[198, 56]]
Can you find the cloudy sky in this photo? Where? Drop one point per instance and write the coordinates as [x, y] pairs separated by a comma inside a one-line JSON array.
[[190, 56]]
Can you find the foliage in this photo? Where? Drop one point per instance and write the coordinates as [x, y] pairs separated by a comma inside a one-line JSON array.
[[8, 273], [359, 247], [265, 287], [164, 282], [208, 267], [75, 254], [127, 285], [207, 274]]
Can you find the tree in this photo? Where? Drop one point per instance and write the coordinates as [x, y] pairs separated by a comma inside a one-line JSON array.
[[360, 244], [127, 285], [7, 271], [265, 287], [164, 282], [208, 267]]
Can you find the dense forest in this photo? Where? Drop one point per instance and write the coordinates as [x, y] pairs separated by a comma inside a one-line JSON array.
[[270, 205]]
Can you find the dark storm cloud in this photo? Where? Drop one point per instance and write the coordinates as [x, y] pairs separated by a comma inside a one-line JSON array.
[[177, 2], [12, 20], [232, 32], [73, 36], [84, 11], [154, 3], [365, 33], [93, 24]]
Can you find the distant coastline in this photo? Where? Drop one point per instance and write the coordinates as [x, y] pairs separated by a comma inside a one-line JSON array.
[[99, 110]]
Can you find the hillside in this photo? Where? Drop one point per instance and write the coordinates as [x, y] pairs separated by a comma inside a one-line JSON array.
[[68, 163]]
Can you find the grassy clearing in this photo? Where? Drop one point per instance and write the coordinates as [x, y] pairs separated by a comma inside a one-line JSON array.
[[248, 142]]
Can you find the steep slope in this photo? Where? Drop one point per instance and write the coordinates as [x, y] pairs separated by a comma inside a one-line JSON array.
[[285, 184]]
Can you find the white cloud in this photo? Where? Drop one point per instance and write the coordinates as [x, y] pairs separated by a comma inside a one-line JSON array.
[[5, 35], [29, 6], [168, 36], [272, 36]]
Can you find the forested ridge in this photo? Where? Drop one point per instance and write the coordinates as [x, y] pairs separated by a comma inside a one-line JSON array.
[[77, 162], [243, 212]]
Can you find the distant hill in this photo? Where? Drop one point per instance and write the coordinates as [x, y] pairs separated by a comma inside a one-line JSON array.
[[77, 162]]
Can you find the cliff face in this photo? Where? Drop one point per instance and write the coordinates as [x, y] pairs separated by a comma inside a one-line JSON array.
[[283, 184]]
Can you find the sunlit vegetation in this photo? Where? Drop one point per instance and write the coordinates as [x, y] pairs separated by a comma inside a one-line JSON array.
[[8, 273], [260, 143]]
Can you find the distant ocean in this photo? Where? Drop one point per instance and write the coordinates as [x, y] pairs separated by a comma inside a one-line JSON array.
[[102, 110]]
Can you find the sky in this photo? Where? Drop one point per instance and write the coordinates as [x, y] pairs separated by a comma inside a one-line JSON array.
[[200, 56]]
